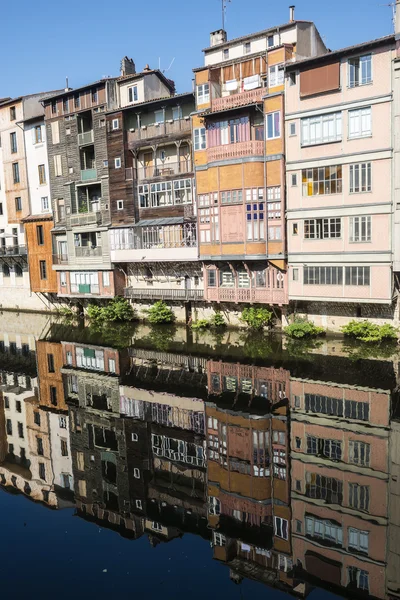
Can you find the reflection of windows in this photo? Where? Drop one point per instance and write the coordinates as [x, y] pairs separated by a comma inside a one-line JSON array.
[[359, 496], [358, 540], [322, 447], [324, 488], [214, 505], [358, 578], [324, 529], [281, 528], [359, 453], [324, 405], [219, 539]]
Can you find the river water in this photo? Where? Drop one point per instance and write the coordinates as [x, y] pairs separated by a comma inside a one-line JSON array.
[[146, 462]]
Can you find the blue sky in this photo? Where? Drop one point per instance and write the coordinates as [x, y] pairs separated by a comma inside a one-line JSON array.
[[41, 42]]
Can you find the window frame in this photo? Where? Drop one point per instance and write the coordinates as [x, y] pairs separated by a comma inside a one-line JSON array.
[[359, 67], [203, 93], [276, 129]]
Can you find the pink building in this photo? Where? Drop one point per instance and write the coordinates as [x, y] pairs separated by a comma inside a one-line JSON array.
[[340, 484], [339, 191]]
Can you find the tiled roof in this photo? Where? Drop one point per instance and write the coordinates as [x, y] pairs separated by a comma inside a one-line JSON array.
[[31, 218]]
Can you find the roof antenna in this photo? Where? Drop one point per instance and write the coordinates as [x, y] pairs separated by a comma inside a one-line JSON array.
[[224, 5], [392, 5], [170, 65]]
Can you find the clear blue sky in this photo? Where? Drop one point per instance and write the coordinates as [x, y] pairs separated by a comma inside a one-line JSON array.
[[41, 41]]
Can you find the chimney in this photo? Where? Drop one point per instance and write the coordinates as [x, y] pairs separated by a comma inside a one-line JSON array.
[[127, 66], [146, 68], [291, 13], [218, 37]]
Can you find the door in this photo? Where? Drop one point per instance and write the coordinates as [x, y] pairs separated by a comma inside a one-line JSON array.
[[148, 163]]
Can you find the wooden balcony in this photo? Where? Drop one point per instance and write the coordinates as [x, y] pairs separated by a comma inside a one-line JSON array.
[[159, 294], [251, 296], [237, 100], [146, 132], [164, 169], [229, 151]]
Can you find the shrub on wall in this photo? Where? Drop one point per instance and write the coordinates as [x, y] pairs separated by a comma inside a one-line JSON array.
[[117, 310], [369, 332], [256, 318], [160, 313], [303, 329]]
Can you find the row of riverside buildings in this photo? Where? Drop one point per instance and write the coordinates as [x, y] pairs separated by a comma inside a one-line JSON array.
[[272, 183], [292, 476]]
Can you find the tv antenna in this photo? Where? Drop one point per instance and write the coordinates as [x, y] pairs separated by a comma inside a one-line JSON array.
[[224, 4], [392, 5], [165, 70]]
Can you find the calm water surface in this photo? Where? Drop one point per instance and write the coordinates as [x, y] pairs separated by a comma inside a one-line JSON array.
[[146, 462]]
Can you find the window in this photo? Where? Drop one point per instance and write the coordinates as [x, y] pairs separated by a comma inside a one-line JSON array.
[[1, 208], [295, 274], [255, 215], [9, 427], [45, 204], [42, 174], [95, 96], [247, 47], [13, 142], [323, 275], [356, 410], [102, 123], [183, 191], [53, 395], [64, 447], [360, 123], [77, 101], [18, 406], [139, 504], [226, 53], [295, 229], [276, 75], [159, 116], [322, 229], [360, 70], [281, 527], [357, 276], [292, 129], [65, 105], [274, 202], [18, 271], [292, 78], [40, 235], [15, 171], [42, 471], [200, 138], [50, 363], [111, 365], [359, 496], [68, 131], [136, 473], [117, 162], [230, 131], [273, 125], [358, 578], [20, 430], [322, 180], [39, 446], [321, 447], [115, 124], [106, 277], [321, 129], [275, 233], [43, 269], [6, 271], [54, 107], [62, 422], [18, 204], [325, 488], [203, 93], [359, 453], [270, 41], [360, 178], [13, 113], [294, 179], [211, 278], [57, 165], [214, 505], [360, 229], [36, 418], [324, 405], [232, 197], [63, 279], [6, 402]]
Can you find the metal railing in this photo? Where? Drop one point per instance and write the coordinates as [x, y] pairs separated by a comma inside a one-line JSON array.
[[88, 174], [164, 169], [85, 138], [85, 251], [160, 294], [13, 251]]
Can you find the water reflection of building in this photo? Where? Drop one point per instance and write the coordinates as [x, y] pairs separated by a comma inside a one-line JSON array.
[[248, 471], [340, 474]]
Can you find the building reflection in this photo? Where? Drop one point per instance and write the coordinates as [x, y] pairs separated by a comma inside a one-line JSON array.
[[290, 471]]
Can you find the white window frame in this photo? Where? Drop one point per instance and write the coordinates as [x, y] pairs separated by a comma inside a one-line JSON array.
[[321, 129], [360, 123], [361, 173], [115, 124], [63, 279], [358, 540], [133, 94], [276, 75], [360, 230], [45, 203], [120, 205], [203, 93], [279, 528], [106, 278], [117, 162], [363, 78], [159, 117], [271, 116], [199, 137], [247, 48]]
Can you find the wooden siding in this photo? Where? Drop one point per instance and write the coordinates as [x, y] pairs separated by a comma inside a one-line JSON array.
[[48, 379], [38, 253]]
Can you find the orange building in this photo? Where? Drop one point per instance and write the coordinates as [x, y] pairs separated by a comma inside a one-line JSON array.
[[240, 161], [51, 388], [40, 253]]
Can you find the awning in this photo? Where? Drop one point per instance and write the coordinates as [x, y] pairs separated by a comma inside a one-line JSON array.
[[158, 222]]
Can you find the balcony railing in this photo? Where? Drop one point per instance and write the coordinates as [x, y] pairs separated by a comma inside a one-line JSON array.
[[263, 296], [89, 218], [85, 288], [88, 174], [13, 251], [155, 130], [165, 169], [85, 138], [60, 259], [237, 100], [251, 148], [157, 236], [159, 294], [85, 251]]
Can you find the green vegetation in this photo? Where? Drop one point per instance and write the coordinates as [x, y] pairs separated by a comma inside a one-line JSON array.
[[217, 321], [160, 313], [160, 338], [118, 310], [66, 312], [303, 329], [369, 332], [201, 324], [256, 318]]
